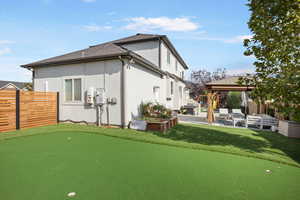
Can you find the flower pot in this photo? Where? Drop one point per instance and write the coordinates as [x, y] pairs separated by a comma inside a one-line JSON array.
[[289, 128]]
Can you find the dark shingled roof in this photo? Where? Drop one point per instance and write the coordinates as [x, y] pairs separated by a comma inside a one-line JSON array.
[[233, 80], [105, 50], [19, 85]]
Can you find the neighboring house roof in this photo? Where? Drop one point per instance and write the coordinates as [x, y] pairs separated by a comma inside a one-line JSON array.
[[233, 80], [18, 85], [105, 51]]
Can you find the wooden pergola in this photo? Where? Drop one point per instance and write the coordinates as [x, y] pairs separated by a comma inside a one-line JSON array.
[[227, 84]]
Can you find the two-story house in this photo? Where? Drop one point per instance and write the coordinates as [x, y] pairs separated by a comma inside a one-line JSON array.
[[128, 71]]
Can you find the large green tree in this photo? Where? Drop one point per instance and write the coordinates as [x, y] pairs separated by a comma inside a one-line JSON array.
[[275, 25]]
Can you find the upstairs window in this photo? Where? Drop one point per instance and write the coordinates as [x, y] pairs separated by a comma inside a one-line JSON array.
[[172, 88], [168, 57], [73, 90], [182, 74], [176, 66]]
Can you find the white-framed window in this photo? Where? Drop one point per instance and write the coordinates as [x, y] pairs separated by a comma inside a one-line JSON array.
[[180, 92], [168, 57], [182, 74], [176, 65], [73, 90], [156, 93], [172, 87]]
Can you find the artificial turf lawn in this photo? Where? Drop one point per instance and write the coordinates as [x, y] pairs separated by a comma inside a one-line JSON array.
[[48, 166]]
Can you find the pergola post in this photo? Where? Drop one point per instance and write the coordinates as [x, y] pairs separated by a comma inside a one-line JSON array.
[[210, 109]]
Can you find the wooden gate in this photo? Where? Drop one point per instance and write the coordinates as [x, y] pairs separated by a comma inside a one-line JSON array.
[[26, 109]]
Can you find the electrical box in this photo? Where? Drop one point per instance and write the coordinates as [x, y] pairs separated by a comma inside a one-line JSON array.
[[100, 97], [113, 100], [90, 96]]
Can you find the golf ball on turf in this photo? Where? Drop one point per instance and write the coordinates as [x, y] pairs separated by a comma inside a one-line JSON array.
[[71, 194]]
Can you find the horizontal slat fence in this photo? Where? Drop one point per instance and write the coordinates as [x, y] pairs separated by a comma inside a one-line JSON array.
[[26, 109], [7, 110], [37, 109]]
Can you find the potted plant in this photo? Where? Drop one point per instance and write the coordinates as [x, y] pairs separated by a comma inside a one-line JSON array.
[[289, 125]]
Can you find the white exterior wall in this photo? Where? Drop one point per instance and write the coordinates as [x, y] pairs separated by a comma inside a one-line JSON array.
[[102, 74], [107, 74], [148, 50], [172, 66], [139, 88]]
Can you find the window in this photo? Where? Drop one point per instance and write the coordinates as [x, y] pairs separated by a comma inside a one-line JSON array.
[[168, 57], [180, 92], [73, 89], [68, 90], [182, 74], [176, 65], [156, 93], [172, 87]]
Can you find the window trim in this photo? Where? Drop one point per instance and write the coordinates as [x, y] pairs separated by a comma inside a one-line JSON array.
[[171, 88], [168, 57], [73, 94], [156, 89]]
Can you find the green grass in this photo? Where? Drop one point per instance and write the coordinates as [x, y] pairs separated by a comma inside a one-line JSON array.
[[244, 142], [46, 165]]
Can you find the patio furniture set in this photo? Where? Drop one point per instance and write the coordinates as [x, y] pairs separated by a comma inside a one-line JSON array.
[[259, 121]]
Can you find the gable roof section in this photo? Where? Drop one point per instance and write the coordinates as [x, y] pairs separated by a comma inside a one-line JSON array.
[[104, 51], [233, 80], [18, 85]]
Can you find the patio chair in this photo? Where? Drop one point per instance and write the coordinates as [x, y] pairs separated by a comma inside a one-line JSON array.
[[223, 113], [237, 113]]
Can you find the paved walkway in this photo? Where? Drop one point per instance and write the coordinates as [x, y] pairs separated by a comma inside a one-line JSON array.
[[202, 120]]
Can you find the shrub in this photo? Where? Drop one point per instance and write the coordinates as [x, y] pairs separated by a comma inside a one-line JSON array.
[[234, 100], [155, 110]]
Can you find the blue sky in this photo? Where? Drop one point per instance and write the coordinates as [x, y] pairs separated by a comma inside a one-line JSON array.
[[207, 33]]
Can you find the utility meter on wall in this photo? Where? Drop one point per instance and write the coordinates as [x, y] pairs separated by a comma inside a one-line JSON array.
[[90, 96], [100, 97]]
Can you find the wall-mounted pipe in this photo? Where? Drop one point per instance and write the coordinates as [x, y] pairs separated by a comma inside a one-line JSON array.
[[123, 99]]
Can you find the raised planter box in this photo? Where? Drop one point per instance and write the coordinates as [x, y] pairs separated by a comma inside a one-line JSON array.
[[289, 129], [162, 126], [158, 126]]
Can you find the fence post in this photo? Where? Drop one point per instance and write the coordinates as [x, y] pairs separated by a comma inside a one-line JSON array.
[[17, 109], [57, 107]]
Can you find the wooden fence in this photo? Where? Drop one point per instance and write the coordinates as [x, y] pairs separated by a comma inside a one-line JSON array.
[[26, 109]]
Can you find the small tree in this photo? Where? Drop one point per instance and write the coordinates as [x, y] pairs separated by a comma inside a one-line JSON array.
[[200, 77], [275, 43], [234, 100]]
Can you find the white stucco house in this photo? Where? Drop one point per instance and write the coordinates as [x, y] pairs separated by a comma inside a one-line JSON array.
[[131, 70]]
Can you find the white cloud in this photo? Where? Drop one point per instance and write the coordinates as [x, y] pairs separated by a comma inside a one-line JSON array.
[[238, 39], [4, 42], [96, 28], [88, 1], [161, 23], [5, 51]]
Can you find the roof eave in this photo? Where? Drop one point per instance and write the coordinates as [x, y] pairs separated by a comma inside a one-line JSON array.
[[77, 60], [170, 45]]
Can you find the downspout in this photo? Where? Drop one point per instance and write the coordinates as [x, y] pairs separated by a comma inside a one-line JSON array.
[[123, 99], [159, 53]]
